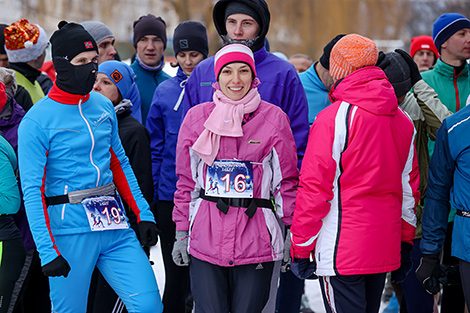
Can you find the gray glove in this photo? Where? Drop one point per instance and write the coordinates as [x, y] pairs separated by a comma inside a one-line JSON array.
[[285, 265], [180, 249]]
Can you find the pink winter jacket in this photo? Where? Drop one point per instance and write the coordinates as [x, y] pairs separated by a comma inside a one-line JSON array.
[[359, 180], [235, 239]]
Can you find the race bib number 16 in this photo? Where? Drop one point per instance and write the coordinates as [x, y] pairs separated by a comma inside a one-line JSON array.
[[230, 179]]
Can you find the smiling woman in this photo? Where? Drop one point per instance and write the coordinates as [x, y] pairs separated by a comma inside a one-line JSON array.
[[245, 152]]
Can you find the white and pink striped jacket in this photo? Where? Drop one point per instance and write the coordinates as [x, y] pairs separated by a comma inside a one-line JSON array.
[[359, 180]]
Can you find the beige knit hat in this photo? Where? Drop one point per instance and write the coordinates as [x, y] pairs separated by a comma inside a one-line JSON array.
[[351, 53]]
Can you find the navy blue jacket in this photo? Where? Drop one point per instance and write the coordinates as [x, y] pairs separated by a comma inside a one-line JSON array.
[[448, 184], [163, 123]]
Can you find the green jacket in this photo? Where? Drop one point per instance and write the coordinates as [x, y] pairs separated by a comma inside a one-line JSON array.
[[427, 112]]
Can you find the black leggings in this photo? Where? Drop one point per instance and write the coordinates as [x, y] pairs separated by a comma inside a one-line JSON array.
[[176, 277], [12, 256]]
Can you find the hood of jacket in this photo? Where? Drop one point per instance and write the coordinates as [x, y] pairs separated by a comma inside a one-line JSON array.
[[260, 6], [7, 76], [367, 88]]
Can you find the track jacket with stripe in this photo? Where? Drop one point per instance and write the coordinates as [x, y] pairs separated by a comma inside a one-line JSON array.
[[66, 143]]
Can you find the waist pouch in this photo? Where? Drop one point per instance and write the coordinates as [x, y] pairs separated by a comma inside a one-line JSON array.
[[76, 197], [250, 203]]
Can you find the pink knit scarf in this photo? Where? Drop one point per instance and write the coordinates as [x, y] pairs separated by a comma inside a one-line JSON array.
[[225, 120]]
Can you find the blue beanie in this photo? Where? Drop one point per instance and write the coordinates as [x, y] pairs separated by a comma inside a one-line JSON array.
[[120, 74], [446, 25]]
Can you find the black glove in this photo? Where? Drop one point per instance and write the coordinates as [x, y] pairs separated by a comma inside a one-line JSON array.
[[399, 275], [304, 268], [148, 232], [429, 273], [450, 275], [57, 267], [381, 61], [415, 75]]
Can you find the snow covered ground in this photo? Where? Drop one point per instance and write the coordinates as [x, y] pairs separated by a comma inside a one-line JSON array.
[[312, 287]]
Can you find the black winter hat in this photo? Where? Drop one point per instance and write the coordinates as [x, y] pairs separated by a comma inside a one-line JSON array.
[[70, 40], [258, 6], [189, 36], [241, 8], [325, 58], [398, 73], [149, 25]]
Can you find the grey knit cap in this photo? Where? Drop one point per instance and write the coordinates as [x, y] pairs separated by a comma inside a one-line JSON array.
[[97, 30]]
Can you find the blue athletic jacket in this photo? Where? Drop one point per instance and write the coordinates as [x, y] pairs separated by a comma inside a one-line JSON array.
[[146, 82], [448, 185], [67, 143], [280, 85], [163, 123], [317, 94]]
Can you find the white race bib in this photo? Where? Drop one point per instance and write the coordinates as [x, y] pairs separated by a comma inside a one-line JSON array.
[[230, 179], [105, 213]]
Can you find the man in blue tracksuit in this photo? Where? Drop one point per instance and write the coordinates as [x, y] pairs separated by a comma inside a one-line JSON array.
[[448, 186], [72, 162], [247, 22]]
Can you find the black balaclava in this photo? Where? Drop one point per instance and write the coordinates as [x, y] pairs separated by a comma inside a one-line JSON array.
[[258, 9], [69, 41]]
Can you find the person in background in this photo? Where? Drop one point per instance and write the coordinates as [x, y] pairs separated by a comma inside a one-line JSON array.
[[26, 44], [450, 79], [190, 45], [12, 251], [317, 82], [3, 54], [427, 113], [73, 205], [106, 52], [301, 62], [32, 289], [104, 39], [150, 44], [354, 219], [424, 52], [245, 144]]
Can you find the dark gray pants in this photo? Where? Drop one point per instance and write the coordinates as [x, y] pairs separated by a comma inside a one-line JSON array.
[[239, 289]]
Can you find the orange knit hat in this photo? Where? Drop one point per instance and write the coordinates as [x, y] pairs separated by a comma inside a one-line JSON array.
[[351, 53]]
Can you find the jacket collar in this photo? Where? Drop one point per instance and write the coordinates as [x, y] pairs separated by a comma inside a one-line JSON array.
[[312, 77], [61, 96], [448, 70]]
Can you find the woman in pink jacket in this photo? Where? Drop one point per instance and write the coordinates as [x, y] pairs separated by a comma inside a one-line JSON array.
[[358, 185], [237, 176]]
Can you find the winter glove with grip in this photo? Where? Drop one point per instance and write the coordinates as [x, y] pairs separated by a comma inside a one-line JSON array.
[[429, 273], [180, 249]]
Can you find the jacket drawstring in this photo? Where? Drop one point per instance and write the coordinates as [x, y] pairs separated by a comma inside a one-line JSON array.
[[180, 98]]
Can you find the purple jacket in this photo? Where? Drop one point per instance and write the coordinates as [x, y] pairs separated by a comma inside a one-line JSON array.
[[10, 118], [280, 85], [235, 239]]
